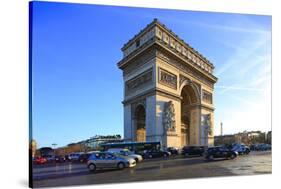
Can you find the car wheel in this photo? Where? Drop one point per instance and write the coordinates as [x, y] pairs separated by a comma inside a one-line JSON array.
[[186, 154], [121, 165], [232, 156], [211, 157], [150, 156], [137, 160], [92, 167], [165, 155]]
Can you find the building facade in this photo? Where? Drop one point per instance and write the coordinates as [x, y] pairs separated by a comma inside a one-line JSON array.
[[168, 90], [246, 137]]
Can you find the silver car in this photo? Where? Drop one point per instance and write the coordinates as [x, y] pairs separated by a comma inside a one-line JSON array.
[[102, 160]]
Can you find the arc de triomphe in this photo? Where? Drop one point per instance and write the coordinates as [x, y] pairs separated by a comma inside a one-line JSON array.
[[168, 90]]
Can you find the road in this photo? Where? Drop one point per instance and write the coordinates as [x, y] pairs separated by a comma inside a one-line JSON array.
[[155, 169]]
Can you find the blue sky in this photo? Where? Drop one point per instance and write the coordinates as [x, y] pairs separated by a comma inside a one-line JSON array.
[[77, 87]]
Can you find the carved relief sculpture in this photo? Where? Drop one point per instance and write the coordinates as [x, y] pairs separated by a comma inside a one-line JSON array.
[[169, 116], [167, 78], [206, 124]]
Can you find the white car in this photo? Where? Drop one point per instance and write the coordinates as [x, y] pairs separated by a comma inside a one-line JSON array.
[[126, 152]]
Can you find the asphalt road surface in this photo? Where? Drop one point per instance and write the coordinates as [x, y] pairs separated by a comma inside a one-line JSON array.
[[66, 174]]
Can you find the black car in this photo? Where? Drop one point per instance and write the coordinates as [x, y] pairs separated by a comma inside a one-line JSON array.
[[220, 152], [156, 153], [66, 157], [173, 150], [193, 151], [84, 157], [59, 159]]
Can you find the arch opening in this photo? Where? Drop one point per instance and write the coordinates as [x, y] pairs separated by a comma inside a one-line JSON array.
[[140, 128], [189, 98]]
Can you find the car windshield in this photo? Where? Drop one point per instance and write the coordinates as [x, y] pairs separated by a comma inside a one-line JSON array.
[[126, 152]]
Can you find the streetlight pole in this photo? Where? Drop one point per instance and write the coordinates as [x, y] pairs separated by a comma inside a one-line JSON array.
[[54, 146], [221, 133]]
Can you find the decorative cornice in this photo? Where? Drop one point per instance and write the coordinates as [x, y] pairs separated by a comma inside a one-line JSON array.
[[122, 63], [141, 32], [159, 31], [154, 23]]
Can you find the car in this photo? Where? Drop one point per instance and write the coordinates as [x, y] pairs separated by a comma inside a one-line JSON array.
[[241, 148], [84, 157], [156, 153], [220, 152], [74, 156], [263, 147], [40, 160], [59, 159], [50, 158], [173, 150], [104, 160], [126, 152], [66, 157], [192, 151]]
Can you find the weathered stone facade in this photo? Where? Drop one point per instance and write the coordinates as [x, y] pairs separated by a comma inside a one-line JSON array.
[[173, 83]]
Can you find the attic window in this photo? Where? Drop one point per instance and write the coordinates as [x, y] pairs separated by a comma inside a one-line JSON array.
[[138, 43]]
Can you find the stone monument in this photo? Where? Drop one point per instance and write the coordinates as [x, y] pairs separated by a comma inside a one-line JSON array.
[[168, 89]]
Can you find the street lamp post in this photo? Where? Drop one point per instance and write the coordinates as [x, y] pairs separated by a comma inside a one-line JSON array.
[[54, 146]]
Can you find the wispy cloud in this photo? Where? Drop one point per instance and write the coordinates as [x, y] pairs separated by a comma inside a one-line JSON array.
[[238, 88], [244, 52]]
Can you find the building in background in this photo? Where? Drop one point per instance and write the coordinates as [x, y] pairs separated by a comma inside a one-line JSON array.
[[95, 141], [87, 145], [246, 137]]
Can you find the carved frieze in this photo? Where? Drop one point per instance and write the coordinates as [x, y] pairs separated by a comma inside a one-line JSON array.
[[167, 78], [183, 67], [207, 97], [139, 81]]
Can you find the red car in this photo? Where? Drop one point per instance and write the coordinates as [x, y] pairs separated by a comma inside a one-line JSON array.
[[40, 160]]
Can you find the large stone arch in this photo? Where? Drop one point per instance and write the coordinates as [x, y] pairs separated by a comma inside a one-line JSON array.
[[190, 98], [194, 88], [160, 69]]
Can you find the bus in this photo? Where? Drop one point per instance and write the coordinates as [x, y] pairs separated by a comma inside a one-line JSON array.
[[46, 152], [136, 147]]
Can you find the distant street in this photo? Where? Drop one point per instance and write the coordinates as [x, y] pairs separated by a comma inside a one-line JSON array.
[[153, 169]]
